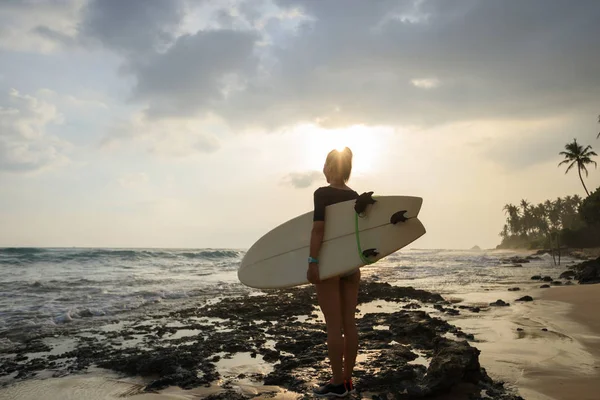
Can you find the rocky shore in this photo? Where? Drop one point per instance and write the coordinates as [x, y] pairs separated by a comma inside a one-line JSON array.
[[406, 352], [585, 272]]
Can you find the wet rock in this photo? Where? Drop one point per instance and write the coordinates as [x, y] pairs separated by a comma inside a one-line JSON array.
[[519, 329], [547, 279], [411, 306], [470, 308], [463, 335], [34, 346], [567, 274], [449, 311], [268, 325], [228, 395], [568, 283], [370, 291], [531, 258], [500, 303], [525, 298], [85, 314], [516, 266], [587, 271], [556, 283], [514, 260], [536, 277], [514, 289], [545, 329], [452, 362], [544, 286]]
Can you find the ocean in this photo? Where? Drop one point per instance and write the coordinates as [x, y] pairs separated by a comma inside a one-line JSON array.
[[46, 290]]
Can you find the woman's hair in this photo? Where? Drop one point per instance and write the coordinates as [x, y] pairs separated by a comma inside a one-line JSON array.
[[339, 163]]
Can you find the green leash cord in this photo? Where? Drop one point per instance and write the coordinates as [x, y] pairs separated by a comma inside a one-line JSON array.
[[360, 252]]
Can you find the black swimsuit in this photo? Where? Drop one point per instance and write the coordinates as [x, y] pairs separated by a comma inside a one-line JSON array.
[[326, 196]]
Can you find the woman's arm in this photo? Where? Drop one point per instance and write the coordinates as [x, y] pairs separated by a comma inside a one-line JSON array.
[[316, 240], [316, 236]]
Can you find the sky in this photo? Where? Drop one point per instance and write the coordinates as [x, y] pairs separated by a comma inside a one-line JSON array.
[[150, 123]]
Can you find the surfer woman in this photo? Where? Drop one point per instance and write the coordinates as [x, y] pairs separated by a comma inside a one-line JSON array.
[[337, 296]]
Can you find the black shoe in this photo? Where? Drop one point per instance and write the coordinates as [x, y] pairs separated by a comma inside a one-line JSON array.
[[331, 390]]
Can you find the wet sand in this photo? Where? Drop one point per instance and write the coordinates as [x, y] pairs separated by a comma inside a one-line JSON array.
[[272, 344], [579, 306], [547, 349]]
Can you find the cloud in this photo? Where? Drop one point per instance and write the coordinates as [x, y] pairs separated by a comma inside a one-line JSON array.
[[172, 137], [426, 83], [79, 104], [517, 145], [133, 180], [368, 65], [302, 180], [204, 70], [24, 144], [132, 27], [44, 27]]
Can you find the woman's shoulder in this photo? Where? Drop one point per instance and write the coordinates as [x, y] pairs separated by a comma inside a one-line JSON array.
[[320, 192]]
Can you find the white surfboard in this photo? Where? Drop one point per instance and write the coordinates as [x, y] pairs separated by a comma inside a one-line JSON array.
[[279, 258]]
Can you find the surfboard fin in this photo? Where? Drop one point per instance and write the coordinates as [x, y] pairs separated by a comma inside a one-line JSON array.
[[363, 201], [370, 253], [398, 217]]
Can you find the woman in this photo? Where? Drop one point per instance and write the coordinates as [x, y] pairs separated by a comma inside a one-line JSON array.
[[337, 296]]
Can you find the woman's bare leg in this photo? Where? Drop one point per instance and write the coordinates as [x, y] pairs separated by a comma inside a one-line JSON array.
[[349, 295], [328, 294]]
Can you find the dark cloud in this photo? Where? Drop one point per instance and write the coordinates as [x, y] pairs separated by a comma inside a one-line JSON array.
[[201, 69], [347, 62], [132, 27], [302, 180], [55, 36]]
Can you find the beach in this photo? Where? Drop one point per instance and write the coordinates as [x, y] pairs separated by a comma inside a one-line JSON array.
[[577, 307], [430, 325]]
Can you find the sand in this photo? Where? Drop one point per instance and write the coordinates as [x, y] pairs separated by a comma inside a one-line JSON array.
[[581, 381]]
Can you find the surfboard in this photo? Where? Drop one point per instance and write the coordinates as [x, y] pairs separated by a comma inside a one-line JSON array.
[[279, 258]]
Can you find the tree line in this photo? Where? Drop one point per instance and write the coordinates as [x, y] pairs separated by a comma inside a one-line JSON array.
[[572, 220]]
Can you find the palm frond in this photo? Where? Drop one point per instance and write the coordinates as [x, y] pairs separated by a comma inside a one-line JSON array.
[[584, 169], [570, 166]]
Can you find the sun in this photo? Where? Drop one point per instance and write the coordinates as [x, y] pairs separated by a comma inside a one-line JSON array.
[[364, 143]]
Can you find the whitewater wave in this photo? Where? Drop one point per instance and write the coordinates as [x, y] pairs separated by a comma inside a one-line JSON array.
[[19, 256]]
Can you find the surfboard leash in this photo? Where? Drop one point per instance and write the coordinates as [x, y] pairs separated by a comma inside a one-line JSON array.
[[361, 253], [359, 207]]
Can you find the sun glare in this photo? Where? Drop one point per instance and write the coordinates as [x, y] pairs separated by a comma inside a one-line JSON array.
[[364, 143]]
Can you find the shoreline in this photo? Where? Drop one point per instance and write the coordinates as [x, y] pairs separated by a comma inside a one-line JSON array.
[[579, 305], [272, 345], [577, 252]]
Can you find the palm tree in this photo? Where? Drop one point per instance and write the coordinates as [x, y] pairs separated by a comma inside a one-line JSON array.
[[513, 218], [504, 234], [525, 217], [575, 154]]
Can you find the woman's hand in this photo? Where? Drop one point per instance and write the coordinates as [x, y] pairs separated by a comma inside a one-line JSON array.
[[313, 273]]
